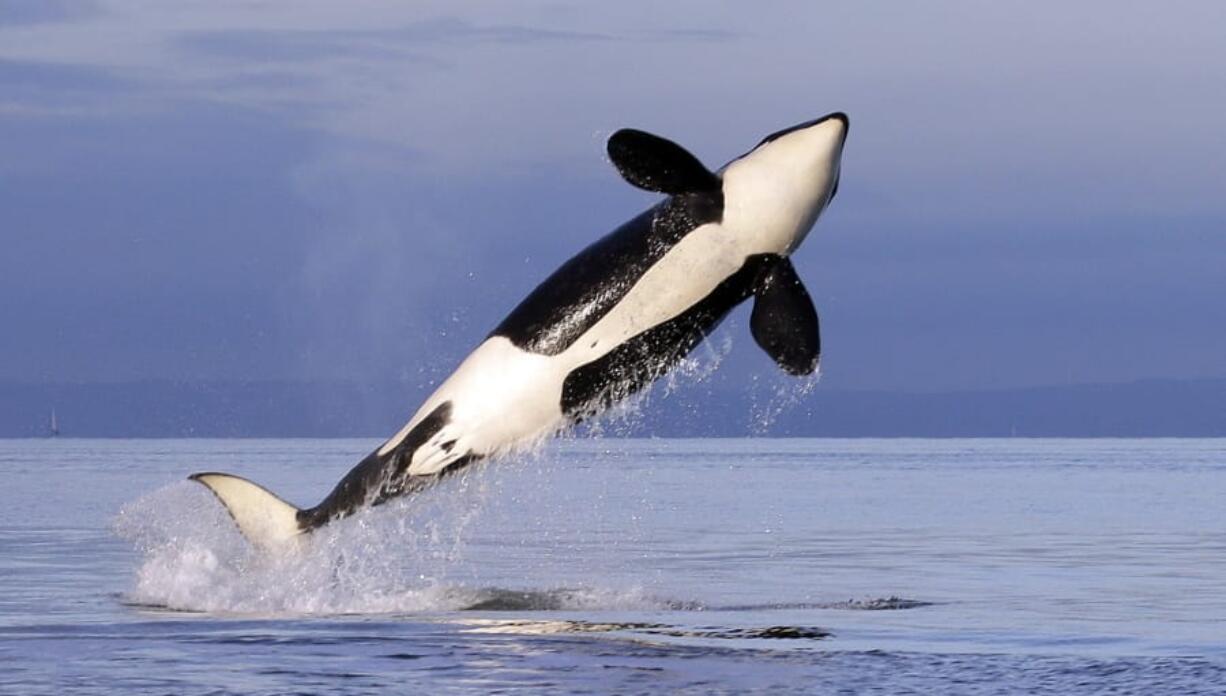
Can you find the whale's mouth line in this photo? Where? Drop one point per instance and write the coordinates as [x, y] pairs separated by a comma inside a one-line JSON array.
[[838, 115]]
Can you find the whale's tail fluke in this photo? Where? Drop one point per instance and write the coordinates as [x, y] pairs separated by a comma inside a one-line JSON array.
[[264, 519]]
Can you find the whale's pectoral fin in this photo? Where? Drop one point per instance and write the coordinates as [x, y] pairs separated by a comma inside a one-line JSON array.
[[264, 519], [656, 164], [784, 321]]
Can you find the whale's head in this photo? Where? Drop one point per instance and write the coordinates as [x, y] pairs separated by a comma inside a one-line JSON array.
[[776, 191], [770, 196]]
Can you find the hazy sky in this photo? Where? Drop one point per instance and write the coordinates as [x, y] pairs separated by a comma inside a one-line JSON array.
[[1032, 193]]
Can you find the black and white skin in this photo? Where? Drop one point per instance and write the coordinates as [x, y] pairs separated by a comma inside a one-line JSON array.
[[615, 317]]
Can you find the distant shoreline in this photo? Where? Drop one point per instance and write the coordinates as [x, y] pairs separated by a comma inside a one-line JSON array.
[[1155, 408]]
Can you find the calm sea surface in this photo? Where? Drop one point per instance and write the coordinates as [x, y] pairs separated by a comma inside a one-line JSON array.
[[628, 566]]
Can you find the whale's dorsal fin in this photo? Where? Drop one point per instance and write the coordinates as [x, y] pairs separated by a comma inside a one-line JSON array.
[[657, 164], [784, 321]]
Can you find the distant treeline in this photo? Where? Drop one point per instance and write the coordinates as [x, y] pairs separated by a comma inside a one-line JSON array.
[[1150, 408]]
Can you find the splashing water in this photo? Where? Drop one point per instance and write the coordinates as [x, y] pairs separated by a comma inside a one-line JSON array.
[[699, 365], [408, 556], [783, 393], [626, 416], [195, 560]]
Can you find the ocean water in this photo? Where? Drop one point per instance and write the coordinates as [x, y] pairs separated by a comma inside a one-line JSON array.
[[626, 566]]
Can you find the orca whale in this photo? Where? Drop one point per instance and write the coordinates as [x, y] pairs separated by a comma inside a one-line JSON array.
[[609, 321]]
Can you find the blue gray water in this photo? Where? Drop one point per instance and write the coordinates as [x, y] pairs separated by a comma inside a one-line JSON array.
[[853, 566]]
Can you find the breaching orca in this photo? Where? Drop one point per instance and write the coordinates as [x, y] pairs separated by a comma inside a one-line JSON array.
[[612, 319]]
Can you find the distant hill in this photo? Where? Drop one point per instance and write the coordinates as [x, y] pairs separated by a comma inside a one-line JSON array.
[[1149, 408]]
